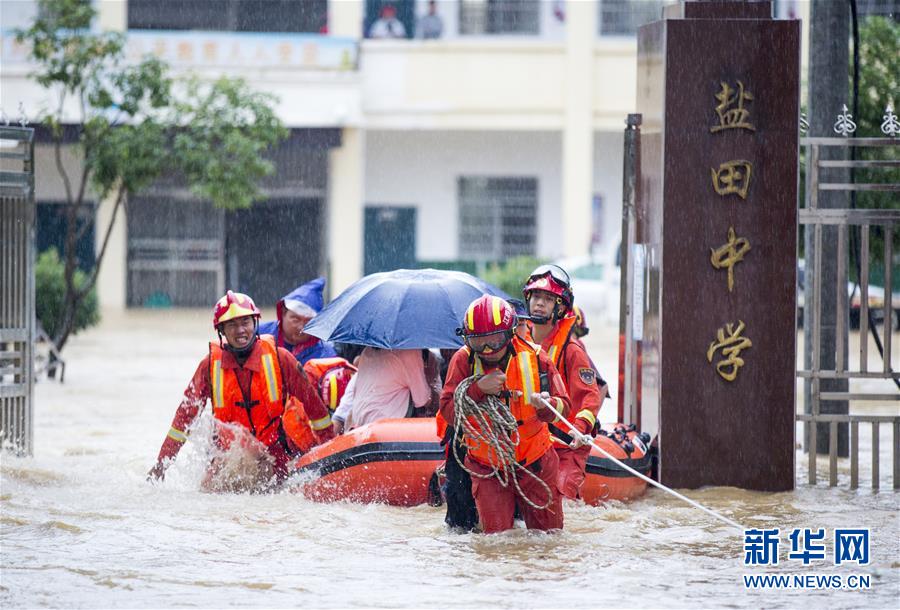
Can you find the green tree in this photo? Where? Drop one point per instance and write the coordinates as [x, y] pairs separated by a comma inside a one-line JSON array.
[[879, 87], [50, 290], [511, 274], [136, 123]]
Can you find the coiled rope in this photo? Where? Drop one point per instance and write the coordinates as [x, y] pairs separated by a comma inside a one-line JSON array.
[[495, 426]]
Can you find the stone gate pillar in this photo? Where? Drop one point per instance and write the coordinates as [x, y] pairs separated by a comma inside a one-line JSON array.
[[718, 87]]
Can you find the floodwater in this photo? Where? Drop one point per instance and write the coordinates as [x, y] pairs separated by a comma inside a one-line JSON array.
[[81, 527]]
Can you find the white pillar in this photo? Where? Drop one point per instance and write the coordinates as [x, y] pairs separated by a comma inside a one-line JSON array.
[[112, 15], [578, 148], [345, 18], [112, 279], [346, 179]]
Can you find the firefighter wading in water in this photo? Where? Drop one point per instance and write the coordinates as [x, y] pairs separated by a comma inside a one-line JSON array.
[[252, 384], [512, 369], [548, 295]]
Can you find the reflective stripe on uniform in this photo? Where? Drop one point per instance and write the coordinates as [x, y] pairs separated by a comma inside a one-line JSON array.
[[320, 424], [177, 435], [586, 414], [528, 380], [217, 385], [269, 372], [560, 408], [552, 353], [332, 392]]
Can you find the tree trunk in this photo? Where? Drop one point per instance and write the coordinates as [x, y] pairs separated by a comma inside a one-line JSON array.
[[828, 91]]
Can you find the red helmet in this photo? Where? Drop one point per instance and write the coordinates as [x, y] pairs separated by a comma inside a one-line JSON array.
[[333, 384], [552, 279], [233, 305], [488, 315]]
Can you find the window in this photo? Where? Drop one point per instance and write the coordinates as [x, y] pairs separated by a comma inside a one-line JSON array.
[[623, 17], [497, 217], [309, 16], [499, 17]]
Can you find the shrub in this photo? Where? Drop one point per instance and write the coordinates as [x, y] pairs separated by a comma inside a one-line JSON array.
[[50, 290], [510, 275]]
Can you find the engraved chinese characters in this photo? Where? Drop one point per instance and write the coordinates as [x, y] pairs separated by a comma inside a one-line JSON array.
[[730, 341], [730, 254], [732, 177]]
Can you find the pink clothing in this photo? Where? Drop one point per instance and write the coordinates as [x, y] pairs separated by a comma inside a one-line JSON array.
[[384, 383]]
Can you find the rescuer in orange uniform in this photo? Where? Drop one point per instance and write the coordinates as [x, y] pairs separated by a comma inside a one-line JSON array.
[[549, 296], [253, 384], [513, 370]]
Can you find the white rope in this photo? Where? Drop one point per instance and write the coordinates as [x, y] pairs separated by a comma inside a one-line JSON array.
[[587, 439]]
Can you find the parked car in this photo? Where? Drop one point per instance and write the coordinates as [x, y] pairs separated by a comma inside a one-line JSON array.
[[595, 282], [854, 292]]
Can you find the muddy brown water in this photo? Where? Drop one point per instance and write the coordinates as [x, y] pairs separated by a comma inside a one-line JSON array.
[[81, 528]]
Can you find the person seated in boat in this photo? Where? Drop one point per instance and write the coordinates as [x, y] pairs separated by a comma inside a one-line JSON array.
[[293, 312], [253, 385], [549, 297], [510, 379], [385, 385], [331, 377]]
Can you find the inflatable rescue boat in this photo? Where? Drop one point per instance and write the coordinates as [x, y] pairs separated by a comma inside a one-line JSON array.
[[393, 461]]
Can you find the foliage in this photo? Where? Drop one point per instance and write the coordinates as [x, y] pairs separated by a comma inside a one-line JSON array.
[[510, 275], [135, 124], [879, 84], [50, 290]]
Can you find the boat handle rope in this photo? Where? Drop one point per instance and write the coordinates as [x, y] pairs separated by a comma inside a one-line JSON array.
[[587, 439]]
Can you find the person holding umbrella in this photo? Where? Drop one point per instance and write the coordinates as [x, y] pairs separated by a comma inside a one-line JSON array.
[[548, 294], [509, 378]]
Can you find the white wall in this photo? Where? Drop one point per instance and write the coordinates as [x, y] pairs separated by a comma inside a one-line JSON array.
[[608, 181], [420, 168]]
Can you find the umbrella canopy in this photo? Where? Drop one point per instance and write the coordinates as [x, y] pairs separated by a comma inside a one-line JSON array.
[[402, 309]]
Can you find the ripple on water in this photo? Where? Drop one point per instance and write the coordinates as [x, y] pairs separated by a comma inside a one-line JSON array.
[[51, 526], [32, 476]]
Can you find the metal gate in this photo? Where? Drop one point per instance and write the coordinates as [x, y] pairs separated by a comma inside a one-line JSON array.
[[845, 220], [17, 306]]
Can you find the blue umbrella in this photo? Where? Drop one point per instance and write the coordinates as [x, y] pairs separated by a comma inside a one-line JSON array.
[[402, 309]]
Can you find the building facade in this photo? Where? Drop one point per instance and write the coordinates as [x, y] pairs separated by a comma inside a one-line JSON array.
[[500, 136]]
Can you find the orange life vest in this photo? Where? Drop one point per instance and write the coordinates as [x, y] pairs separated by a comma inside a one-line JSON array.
[[522, 379], [563, 332], [266, 393], [317, 367]]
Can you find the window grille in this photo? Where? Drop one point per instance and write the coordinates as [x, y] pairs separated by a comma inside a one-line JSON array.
[[497, 217]]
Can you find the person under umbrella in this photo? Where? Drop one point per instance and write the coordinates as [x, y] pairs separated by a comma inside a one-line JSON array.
[[294, 312]]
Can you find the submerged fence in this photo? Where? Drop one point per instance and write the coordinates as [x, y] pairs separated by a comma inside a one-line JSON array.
[[888, 221], [17, 305]]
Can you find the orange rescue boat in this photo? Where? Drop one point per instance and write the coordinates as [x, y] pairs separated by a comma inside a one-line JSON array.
[[393, 461]]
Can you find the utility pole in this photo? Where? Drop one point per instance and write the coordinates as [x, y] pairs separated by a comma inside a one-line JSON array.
[[829, 90]]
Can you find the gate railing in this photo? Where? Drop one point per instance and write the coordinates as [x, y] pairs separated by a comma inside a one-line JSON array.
[[17, 305], [888, 220]]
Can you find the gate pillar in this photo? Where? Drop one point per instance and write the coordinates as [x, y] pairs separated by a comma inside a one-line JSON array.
[[716, 229]]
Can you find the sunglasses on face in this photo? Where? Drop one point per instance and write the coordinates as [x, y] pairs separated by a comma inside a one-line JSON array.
[[493, 342]]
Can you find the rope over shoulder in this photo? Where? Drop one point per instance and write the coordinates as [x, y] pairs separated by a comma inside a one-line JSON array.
[[491, 422]]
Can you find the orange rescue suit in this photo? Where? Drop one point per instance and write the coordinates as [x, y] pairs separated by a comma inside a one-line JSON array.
[[522, 379]]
